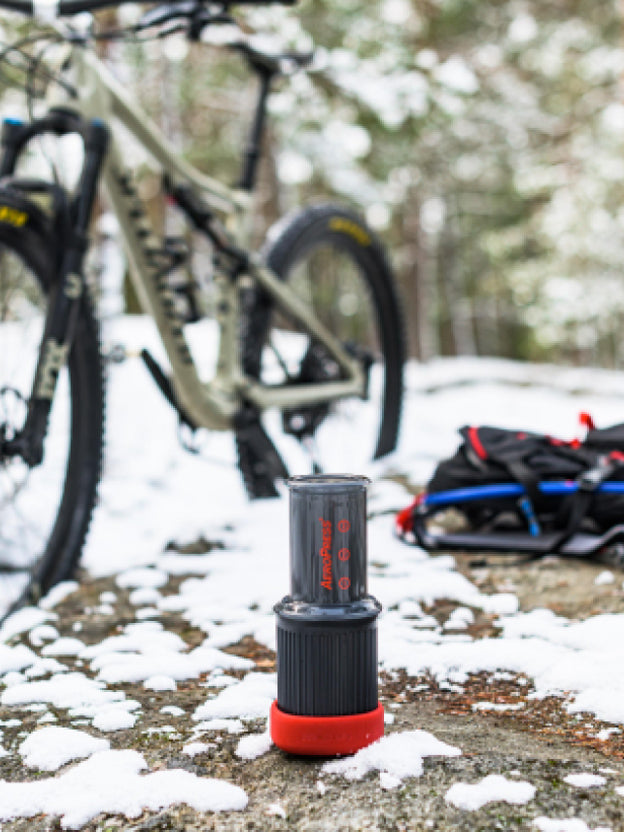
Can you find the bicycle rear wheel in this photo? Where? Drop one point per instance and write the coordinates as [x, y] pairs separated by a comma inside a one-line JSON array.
[[336, 264], [44, 510]]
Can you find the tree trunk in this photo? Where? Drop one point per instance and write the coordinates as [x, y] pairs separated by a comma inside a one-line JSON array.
[[415, 281]]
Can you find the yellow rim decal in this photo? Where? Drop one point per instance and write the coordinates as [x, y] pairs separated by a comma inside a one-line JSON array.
[[351, 228], [12, 216]]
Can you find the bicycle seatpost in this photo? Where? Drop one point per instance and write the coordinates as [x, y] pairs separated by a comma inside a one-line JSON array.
[[253, 148]]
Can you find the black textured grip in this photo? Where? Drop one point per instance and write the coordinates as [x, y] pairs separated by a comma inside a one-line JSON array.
[[327, 626], [326, 671]]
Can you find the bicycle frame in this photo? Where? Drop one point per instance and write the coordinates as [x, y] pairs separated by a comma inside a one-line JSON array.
[[215, 403]]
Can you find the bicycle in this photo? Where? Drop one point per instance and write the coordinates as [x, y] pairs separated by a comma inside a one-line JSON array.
[[307, 324]]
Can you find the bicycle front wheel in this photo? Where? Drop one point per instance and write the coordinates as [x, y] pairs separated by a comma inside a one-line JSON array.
[[336, 264], [44, 509]]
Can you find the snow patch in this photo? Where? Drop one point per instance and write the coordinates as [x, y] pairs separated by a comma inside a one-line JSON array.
[[232, 726], [605, 733], [145, 613], [109, 782], [605, 577], [399, 755], [16, 658], [160, 683], [492, 789], [44, 632], [23, 620], [66, 690], [117, 668], [172, 710], [114, 719], [584, 780], [13, 677], [250, 698], [497, 706], [142, 577], [459, 619], [58, 593], [50, 748], [388, 781], [193, 748], [145, 637], [43, 667], [144, 595], [253, 745], [276, 810], [67, 646], [146, 649]]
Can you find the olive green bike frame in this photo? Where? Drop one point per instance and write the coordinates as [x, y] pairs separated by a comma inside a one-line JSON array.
[[211, 404]]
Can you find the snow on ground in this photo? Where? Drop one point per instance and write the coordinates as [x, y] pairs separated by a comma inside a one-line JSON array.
[[153, 493], [396, 756], [584, 780], [249, 699], [66, 690], [51, 747], [110, 781], [493, 788], [253, 745]]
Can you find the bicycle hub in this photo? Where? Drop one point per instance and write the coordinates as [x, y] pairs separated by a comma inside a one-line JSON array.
[[327, 627]]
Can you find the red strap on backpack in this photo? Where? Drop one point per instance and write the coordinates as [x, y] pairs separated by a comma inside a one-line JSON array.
[[586, 420], [405, 518]]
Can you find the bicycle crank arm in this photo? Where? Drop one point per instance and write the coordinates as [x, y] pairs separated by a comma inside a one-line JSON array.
[[166, 388]]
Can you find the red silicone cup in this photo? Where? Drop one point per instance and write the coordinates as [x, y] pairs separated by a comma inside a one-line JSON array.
[[325, 736]]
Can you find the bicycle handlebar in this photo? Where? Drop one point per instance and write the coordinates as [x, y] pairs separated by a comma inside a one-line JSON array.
[[49, 10]]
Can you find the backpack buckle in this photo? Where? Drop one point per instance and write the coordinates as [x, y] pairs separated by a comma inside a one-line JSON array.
[[589, 480]]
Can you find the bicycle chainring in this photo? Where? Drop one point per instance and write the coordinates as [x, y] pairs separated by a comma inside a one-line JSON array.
[[318, 366]]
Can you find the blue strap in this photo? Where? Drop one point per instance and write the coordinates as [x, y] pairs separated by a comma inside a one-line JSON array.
[[554, 488]]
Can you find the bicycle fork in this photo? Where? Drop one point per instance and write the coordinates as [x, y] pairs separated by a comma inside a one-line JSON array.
[[66, 292]]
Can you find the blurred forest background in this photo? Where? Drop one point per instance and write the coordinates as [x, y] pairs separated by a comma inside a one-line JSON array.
[[483, 141]]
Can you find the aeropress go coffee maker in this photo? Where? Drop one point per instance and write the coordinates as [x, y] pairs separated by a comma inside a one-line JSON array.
[[327, 627]]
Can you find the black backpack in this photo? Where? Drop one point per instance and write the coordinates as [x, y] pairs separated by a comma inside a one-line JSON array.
[[536, 488]]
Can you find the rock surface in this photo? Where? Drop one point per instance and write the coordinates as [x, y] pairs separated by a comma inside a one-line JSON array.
[[498, 726]]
